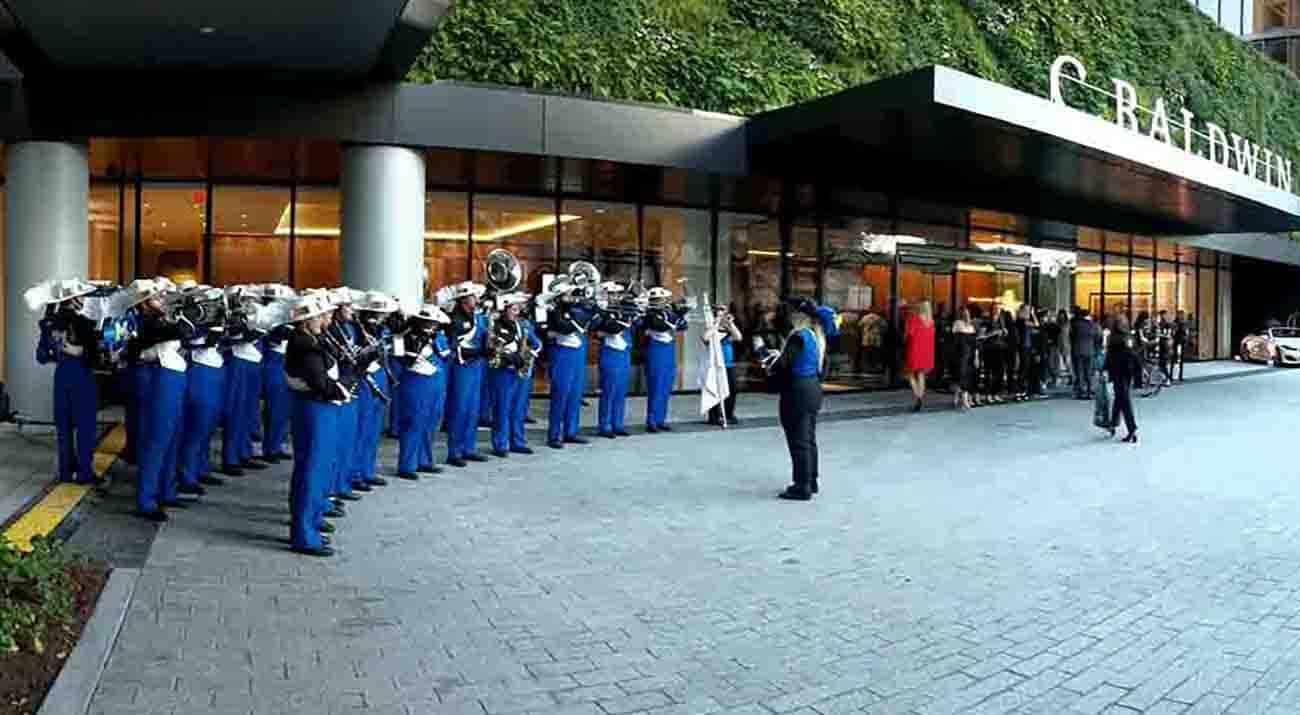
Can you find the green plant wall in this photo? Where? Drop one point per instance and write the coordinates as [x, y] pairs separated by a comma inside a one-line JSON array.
[[746, 56]]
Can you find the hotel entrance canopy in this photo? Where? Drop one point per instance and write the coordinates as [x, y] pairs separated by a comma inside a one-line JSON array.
[[941, 134]]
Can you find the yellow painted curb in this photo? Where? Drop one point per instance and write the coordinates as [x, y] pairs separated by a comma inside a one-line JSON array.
[[46, 515]]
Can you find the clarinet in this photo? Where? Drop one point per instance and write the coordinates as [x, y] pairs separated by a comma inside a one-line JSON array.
[[351, 355]]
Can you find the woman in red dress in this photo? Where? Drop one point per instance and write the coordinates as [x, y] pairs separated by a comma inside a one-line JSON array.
[[918, 349]]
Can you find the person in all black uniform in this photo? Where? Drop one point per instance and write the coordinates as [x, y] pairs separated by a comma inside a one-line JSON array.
[[1165, 346], [1182, 339], [1124, 367], [312, 373], [68, 339], [798, 371], [155, 351]]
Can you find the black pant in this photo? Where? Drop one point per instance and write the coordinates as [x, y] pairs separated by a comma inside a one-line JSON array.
[[800, 403], [1123, 405], [729, 404], [1180, 357], [1082, 374], [995, 365]]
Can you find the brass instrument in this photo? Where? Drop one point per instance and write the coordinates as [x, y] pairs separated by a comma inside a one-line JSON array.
[[353, 355], [502, 273]]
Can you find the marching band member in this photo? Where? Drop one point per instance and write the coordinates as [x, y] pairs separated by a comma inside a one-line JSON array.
[[798, 371], [68, 339], [343, 336], [275, 392], [468, 336], [372, 311], [615, 332], [725, 323], [567, 326], [161, 397], [313, 376], [662, 322], [243, 386], [204, 402], [425, 351], [509, 353], [519, 410]]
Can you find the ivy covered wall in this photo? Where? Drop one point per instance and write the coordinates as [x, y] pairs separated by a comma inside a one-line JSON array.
[[746, 56]]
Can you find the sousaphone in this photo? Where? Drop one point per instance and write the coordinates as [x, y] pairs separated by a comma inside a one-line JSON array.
[[502, 271]]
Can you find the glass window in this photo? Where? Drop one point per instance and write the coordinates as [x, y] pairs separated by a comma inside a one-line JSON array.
[[316, 238], [1117, 288], [1187, 254], [129, 204], [998, 222], [858, 285], [1087, 282], [105, 232], [980, 237], [170, 158], [605, 235], [1090, 238], [605, 179], [1208, 257], [681, 186], [1166, 288], [446, 240], [802, 261], [447, 167], [677, 244], [1143, 287], [523, 226], [523, 172], [756, 194], [1224, 325], [1166, 249], [1225, 261], [172, 218], [261, 159], [754, 244], [1142, 246], [1187, 289], [984, 286], [1205, 316], [108, 157], [249, 244]]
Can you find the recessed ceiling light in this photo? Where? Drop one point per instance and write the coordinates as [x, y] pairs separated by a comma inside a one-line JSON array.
[[243, 215], [207, 30], [164, 224]]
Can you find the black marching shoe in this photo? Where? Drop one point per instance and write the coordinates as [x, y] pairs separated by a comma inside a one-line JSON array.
[[500, 453], [457, 462], [211, 481], [194, 489], [814, 487], [326, 528], [231, 470], [522, 450], [665, 428], [271, 458], [530, 420], [156, 517], [377, 481], [350, 496], [651, 429], [555, 444], [795, 494], [475, 457], [622, 433], [428, 469], [335, 513], [361, 487], [606, 434], [733, 420], [175, 504], [408, 476], [321, 551], [576, 440], [253, 464]]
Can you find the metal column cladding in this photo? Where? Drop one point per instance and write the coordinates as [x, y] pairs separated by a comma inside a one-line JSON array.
[[383, 220], [46, 236]]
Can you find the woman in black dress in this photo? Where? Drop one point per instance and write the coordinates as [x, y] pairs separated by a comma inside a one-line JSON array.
[[966, 376]]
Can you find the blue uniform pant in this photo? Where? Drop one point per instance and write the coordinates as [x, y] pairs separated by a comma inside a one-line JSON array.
[[275, 432], [346, 434], [422, 401], [236, 431], [486, 400], [159, 440], [463, 407], [566, 369], [370, 427], [133, 387], [204, 398], [615, 374], [504, 384], [252, 413], [660, 371], [75, 407], [519, 413], [573, 417], [314, 450], [394, 411]]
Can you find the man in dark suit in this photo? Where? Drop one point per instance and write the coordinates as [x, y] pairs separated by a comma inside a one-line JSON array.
[[1085, 335]]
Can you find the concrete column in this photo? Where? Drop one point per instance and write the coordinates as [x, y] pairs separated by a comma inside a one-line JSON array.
[[383, 220], [46, 221]]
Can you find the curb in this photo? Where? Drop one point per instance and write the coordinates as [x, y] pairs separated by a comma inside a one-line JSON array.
[[79, 679]]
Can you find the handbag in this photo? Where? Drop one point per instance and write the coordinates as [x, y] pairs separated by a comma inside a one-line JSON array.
[[1101, 405]]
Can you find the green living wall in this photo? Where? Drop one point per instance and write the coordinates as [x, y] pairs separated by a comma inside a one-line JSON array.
[[746, 56]]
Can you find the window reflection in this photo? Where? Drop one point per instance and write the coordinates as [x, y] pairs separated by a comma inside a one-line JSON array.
[[677, 244], [250, 234], [603, 234], [1204, 338], [1087, 282], [316, 238], [446, 240], [261, 159], [523, 226], [105, 232], [1117, 299], [172, 218], [753, 248], [1143, 287]]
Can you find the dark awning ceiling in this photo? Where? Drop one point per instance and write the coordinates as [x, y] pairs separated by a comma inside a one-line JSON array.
[[941, 134], [326, 39]]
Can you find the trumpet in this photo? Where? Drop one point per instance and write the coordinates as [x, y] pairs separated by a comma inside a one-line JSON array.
[[355, 357]]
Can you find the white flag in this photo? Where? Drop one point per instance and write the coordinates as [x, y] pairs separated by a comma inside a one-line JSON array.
[[713, 375]]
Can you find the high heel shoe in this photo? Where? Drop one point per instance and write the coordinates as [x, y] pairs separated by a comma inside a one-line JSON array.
[[917, 406], [1131, 438]]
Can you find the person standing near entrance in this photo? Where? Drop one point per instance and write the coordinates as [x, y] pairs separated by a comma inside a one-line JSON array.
[[468, 337], [798, 371], [918, 350], [1182, 338], [1124, 367], [1084, 338]]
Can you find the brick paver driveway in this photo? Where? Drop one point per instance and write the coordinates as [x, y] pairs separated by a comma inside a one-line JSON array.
[[1003, 560]]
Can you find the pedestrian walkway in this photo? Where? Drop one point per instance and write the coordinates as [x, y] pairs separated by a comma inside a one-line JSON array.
[[1009, 560]]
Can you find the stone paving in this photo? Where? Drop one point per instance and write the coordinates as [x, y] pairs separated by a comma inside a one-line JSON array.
[[1005, 560]]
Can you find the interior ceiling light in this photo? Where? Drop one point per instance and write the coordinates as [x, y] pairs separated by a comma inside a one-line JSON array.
[[282, 229], [207, 30]]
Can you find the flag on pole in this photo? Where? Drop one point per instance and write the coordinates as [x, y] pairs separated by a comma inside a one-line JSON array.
[[713, 374]]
